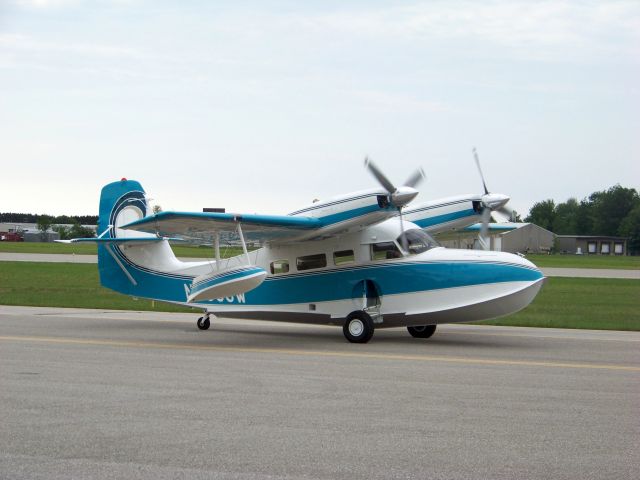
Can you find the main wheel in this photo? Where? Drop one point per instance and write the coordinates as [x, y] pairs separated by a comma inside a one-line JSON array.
[[422, 331], [204, 323], [358, 328]]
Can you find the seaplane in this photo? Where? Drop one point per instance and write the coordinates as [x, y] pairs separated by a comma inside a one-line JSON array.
[[363, 261]]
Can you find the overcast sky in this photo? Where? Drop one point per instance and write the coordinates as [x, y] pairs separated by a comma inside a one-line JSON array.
[[263, 106]]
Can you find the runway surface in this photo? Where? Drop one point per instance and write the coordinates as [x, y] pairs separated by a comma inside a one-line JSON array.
[[93, 394]]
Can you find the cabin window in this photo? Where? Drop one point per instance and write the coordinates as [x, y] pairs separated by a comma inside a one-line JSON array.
[[618, 248], [416, 241], [343, 256], [311, 261], [384, 251], [591, 247], [605, 248], [279, 266]]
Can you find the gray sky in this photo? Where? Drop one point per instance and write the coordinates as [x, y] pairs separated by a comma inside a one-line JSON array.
[[263, 106]]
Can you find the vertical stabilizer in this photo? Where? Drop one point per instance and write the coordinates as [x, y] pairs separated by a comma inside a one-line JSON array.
[[120, 203]]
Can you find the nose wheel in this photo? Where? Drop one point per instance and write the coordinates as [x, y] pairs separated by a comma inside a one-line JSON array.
[[203, 322]]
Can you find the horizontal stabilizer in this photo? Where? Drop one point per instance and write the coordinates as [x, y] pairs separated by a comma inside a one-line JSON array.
[[117, 240]]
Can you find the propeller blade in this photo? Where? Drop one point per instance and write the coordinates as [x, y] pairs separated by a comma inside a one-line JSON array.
[[415, 178], [475, 155], [507, 212], [484, 228], [376, 172]]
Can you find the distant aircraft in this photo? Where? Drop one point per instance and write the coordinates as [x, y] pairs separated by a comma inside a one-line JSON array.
[[363, 261]]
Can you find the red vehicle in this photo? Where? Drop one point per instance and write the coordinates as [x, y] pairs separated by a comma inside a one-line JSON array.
[[10, 237]]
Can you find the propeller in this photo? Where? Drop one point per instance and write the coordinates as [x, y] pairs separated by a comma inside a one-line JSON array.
[[400, 196], [494, 201], [490, 202]]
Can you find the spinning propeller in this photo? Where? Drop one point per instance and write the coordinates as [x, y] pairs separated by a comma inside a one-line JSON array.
[[400, 196], [490, 202]]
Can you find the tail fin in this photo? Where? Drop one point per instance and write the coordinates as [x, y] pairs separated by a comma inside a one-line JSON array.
[[120, 203]]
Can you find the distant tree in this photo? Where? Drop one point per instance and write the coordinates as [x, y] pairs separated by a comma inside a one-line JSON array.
[[78, 231], [44, 223], [87, 219], [63, 219], [62, 230], [542, 214], [157, 209], [584, 218], [610, 207], [565, 218], [12, 217], [630, 227]]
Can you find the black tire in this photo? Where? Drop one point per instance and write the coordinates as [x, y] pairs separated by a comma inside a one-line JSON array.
[[422, 331], [358, 327], [204, 323]]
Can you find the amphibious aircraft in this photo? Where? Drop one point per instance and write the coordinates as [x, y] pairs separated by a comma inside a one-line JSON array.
[[363, 261]]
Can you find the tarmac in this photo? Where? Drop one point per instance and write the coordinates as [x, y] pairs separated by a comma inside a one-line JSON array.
[[112, 394], [548, 272]]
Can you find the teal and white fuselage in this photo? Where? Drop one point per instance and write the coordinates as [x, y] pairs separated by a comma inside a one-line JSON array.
[[319, 264]]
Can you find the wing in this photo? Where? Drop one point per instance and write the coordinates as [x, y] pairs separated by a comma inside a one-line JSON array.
[[206, 225], [445, 214]]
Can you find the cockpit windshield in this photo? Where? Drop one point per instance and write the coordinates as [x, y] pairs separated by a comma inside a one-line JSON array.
[[416, 241]]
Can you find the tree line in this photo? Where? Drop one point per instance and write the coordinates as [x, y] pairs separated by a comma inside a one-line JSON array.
[[67, 226], [613, 212], [11, 217]]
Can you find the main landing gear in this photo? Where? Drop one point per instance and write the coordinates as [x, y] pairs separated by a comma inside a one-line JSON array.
[[203, 322], [358, 327], [422, 331]]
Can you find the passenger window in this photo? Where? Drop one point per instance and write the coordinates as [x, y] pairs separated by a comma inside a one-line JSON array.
[[311, 261], [343, 256], [279, 266], [384, 251]]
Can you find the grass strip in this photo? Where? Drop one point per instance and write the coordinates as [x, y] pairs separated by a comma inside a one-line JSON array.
[[586, 261], [587, 303], [40, 284], [181, 250], [590, 303]]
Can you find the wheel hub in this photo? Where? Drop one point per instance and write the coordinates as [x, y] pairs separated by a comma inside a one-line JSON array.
[[356, 327]]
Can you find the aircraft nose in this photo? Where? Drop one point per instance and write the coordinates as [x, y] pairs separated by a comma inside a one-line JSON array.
[[520, 260]]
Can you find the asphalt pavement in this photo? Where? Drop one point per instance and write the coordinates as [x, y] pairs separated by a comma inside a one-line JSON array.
[[107, 394]]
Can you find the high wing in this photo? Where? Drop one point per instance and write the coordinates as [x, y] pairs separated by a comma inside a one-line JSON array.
[[345, 213], [206, 225]]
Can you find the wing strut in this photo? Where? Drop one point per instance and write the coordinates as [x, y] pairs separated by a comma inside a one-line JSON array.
[[244, 245], [216, 244]]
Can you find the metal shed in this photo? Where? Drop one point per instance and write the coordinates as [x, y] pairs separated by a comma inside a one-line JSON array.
[[504, 237]]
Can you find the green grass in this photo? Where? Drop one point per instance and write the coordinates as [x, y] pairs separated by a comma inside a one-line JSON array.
[[185, 251], [66, 285], [586, 261], [591, 303], [38, 247]]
